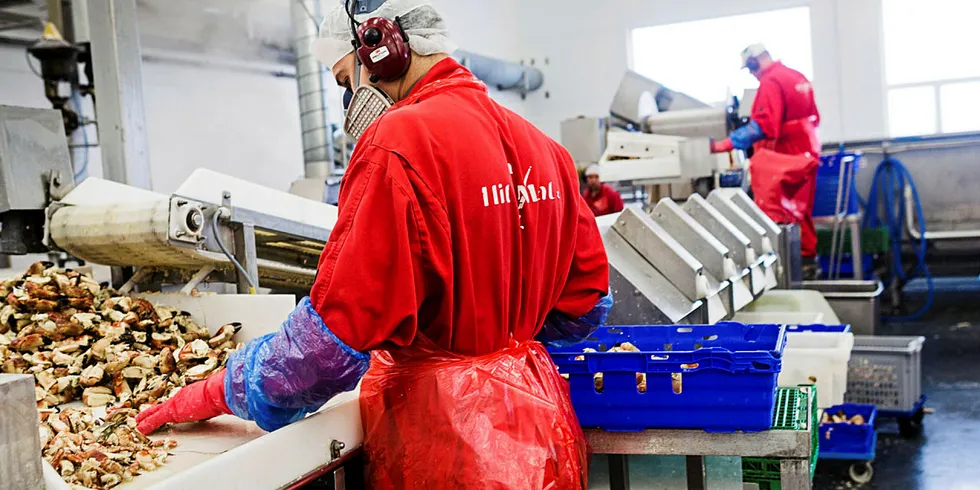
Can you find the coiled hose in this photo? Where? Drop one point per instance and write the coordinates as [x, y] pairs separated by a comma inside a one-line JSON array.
[[890, 179]]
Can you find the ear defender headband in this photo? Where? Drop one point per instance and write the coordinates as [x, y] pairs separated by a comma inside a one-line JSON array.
[[381, 46]]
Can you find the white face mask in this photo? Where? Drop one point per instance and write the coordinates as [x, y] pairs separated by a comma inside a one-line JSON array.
[[367, 104]]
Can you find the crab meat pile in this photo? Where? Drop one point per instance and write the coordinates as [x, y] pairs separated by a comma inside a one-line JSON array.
[[84, 342], [94, 449]]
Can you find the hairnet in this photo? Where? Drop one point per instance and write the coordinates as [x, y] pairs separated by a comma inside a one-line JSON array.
[[592, 170], [426, 29], [753, 51]]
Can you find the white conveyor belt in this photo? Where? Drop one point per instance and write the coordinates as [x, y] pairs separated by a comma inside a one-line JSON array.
[[230, 453]]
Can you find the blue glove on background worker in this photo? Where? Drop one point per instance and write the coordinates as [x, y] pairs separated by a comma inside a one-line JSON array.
[[741, 139]]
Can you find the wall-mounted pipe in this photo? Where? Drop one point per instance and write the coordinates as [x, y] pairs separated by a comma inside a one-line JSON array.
[[500, 74], [318, 148]]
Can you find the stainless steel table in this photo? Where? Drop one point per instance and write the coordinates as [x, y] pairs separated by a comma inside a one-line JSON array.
[[792, 447]]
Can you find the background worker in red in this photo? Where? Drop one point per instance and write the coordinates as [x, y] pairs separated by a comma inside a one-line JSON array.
[[601, 198], [787, 150], [461, 238]]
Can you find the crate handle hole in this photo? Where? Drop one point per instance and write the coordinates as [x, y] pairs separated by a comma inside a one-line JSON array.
[[592, 339], [641, 382], [698, 346], [668, 347], [597, 382], [693, 365], [685, 330], [614, 330], [710, 337], [676, 383], [659, 358], [761, 366]]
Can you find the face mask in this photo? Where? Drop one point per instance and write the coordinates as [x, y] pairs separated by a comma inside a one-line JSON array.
[[366, 105]]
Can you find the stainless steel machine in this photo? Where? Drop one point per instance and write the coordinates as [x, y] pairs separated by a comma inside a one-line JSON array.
[[653, 135], [700, 262]]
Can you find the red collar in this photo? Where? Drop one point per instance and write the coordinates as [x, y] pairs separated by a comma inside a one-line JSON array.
[[767, 70], [444, 75]]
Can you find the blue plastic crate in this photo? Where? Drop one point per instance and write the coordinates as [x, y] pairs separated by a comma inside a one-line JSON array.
[[828, 180], [819, 328], [846, 268], [848, 441], [719, 378]]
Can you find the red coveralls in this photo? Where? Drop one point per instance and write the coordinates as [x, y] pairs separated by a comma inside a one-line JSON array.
[[784, 184], [606, 201], [460, 228]]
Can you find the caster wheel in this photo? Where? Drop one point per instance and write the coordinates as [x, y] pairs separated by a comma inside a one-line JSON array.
[[910, 427], [861, 473]]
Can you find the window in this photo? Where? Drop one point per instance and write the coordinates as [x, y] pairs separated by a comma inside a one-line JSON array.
[[701, 58], [932, 77]]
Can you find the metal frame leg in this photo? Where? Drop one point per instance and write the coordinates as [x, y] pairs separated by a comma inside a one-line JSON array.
[[856, 259], [695, 473], [795, 474], [246, 255], [619, 472]]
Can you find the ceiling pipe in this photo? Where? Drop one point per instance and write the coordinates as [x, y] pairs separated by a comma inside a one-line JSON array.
[[500, 74]]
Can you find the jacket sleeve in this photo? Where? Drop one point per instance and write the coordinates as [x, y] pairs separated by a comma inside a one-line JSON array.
[[369, 286], [585, 300], [616, 202], [365, 293], [767, 110]]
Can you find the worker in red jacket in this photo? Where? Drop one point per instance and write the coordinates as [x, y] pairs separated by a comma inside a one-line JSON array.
[[601, 198], [783, 128], [461, 238]]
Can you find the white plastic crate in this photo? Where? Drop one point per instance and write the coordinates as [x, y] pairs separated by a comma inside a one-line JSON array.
[[822, 356]]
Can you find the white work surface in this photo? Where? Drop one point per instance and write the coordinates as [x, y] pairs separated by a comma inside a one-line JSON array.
[[230, 453]]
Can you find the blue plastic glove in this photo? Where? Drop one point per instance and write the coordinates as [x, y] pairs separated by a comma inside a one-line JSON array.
[[279, 378], [744, 137], [561, 331]]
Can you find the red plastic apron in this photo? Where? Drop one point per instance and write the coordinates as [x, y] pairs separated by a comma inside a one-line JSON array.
[[435, 420], [784, 179]]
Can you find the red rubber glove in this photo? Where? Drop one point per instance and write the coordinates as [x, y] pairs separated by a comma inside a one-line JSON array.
[[198, 401], [722, 146]]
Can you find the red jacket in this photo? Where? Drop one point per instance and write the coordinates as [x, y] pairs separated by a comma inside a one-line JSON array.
[[431, 238], [785, 109], [606, 201]]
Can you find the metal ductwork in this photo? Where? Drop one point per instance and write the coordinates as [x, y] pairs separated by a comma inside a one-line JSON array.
[[318, 149], [500, 74]]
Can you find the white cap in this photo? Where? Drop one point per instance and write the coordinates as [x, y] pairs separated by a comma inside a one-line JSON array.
[[426, 29], [753, 51], [592, 170]]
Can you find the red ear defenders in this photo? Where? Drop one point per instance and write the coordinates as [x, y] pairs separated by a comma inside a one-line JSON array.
[[382, 47]]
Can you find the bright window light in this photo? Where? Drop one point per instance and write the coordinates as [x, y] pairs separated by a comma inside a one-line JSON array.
[[960, 107], [928, 54], [701, 58], [930, 41], [912, 111]]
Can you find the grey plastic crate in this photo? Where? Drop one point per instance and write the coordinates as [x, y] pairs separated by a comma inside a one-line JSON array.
[[886, 372]]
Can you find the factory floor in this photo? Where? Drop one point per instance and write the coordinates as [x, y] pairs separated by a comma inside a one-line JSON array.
[[945, 455]]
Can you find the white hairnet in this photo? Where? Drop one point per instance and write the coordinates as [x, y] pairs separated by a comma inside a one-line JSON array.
[[753, 51], [592, 170], [426, 29]]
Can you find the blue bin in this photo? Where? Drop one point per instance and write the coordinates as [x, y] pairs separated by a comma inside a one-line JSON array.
[[818, 328], [720, 378], [828, 178], [846, 268], [848, 441]]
